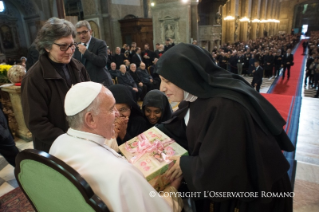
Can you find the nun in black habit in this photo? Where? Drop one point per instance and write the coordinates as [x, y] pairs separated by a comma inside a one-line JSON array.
[[156, 108], [234, 136], [131, 121]]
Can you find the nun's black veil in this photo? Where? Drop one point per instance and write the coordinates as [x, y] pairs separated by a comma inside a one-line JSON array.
[[192, 69], [156, 98], [137, 123]]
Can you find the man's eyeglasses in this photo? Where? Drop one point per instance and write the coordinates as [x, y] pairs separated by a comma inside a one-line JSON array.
[[82, 33], [65, 47]]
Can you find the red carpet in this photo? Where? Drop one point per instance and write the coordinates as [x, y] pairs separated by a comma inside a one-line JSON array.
[[281, 102], [289, 87]]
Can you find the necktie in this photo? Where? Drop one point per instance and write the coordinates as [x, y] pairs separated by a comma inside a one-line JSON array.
[[82, 58]]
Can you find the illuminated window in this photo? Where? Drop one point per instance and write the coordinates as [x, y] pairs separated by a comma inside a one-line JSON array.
[[1, 6]]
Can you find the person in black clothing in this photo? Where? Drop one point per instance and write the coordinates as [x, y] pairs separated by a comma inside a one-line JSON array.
[[268, 64], [142, 88], [233, 63], [157, 48], [126, 79], [246, 63], [278, 62], [131, 121], [169, 43], [308, 71], [137, 58], [156, 108], [257, 76], [109, 59], [147, 55], [304, 46], [240, 61], [7, 145], [156, 78], [223, 60], [118, 58], [214, 102], [145, 77], [287, 62], [113, 71], [125, 48]]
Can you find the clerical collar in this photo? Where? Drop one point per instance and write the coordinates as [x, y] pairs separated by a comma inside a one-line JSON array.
[[108, 144], [96, 138]]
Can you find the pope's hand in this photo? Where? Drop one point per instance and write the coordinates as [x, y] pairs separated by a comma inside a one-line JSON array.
[[176, 171]]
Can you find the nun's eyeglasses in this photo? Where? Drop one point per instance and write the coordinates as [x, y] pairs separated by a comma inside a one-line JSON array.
[[124, 109], [65, 47]]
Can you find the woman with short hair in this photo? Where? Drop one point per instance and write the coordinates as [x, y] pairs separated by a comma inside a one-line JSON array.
[[46, 83]]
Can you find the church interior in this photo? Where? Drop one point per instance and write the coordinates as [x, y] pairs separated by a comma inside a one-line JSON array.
[[225, 28]]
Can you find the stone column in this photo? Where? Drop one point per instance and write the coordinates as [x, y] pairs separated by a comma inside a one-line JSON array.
[[245, 27], [194, 20], [253, 31], [60, 8], [15, 97]]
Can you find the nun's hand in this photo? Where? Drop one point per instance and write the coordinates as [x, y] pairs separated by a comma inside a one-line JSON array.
[[176, 171], [121, 126]]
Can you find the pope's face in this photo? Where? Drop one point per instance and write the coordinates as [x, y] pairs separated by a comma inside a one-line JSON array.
[[173, 93], [107, 114]]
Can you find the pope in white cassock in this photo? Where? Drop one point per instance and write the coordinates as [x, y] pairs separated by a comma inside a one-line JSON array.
[[88, 148]]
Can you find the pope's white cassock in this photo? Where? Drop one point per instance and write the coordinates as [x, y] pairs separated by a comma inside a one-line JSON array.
[[120, 185]]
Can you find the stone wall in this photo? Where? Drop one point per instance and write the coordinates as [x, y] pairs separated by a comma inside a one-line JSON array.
[[171, 19]]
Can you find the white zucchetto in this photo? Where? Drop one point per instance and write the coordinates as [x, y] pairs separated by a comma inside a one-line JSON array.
[[80, 96]]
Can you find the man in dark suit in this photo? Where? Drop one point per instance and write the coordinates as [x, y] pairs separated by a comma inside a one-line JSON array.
[[118, 57], [304, 45], [92, 54], [287, 62], [268, 63], [126, 79], [147, 55], [257, 76], [308, 70], [136, 58]]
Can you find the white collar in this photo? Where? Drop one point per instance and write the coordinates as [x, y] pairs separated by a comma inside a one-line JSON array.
[[90, 136], [111, 143]]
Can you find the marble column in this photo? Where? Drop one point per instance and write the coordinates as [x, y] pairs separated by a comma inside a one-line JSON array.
[[194, 20], [15, 97], [60, 8]]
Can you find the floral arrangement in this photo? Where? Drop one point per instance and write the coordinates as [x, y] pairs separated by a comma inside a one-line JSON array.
[[3, 73]]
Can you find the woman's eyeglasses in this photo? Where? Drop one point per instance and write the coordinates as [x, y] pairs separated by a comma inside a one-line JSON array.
[[124, 109], [65, 47]]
